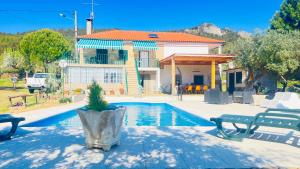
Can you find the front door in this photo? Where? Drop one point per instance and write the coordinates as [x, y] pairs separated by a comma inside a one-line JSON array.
[[101, 56], [231, 85], [144, 59], [146, 83]]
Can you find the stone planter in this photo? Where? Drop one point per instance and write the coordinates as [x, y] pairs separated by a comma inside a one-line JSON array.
[[102, 129], [258, 99]]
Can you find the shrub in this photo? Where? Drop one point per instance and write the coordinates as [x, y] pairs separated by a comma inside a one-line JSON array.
[[96, 101], [52, 85], [65, 100]]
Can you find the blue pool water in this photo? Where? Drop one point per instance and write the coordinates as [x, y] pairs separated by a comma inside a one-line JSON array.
[[137, 114]]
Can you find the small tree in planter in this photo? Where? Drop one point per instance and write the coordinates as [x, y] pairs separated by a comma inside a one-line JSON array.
[[96, 101], [101, 123]]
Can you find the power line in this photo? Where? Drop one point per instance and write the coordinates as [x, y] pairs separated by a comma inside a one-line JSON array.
[[34, 10]]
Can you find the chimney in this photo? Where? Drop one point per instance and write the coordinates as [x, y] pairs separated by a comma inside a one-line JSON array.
[[89, 26]]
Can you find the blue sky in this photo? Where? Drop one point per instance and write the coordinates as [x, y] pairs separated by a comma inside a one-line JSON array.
[[152, 15]]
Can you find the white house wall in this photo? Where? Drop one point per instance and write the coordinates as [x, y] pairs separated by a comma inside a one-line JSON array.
[[188, 72], [187, 48]]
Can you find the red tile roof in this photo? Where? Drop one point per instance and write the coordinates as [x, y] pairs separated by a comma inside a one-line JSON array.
[[144, 36]]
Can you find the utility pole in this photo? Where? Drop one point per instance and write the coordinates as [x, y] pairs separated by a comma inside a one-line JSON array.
[[75, 28], [76, 33]]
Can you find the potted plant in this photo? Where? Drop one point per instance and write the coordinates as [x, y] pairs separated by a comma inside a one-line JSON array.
[[101, 123]]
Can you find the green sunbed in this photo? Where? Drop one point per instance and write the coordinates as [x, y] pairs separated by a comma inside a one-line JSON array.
[[7, 118], [280, 118]]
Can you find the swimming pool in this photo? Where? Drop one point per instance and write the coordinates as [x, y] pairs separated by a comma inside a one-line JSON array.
[[137, 114]]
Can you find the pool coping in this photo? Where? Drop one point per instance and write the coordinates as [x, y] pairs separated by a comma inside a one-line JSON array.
[[211, 124], [36, 115]]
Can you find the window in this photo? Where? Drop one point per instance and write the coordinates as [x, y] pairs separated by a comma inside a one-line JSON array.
[[123, 55], [106, 77], [153, 35], [101, 56], [101, 75], [238, 77], [198, 80], [113, 76], [144, 59]]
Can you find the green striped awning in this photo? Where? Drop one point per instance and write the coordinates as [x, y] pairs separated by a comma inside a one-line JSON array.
[[144, 45], [100, 44]]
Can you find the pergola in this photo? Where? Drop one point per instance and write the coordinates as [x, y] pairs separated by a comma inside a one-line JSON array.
[[195, 59]]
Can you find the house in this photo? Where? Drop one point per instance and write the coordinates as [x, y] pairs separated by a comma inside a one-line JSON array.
[[236, 80], [131, 62]]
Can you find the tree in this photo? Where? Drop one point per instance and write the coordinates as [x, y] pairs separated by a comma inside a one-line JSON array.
[[246, 51], [279, 53], [288, 17], [43, 47], [96, 101], [12, 61], [273, 52]]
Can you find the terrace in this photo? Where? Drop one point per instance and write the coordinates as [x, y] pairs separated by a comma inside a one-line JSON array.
[[152, 146]]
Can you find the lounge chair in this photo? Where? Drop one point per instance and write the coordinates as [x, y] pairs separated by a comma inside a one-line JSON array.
[[7, 118], [279, 97], [292, 103], [280, 118]]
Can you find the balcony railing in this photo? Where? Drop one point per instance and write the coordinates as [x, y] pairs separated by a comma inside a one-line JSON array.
[[72, 60], [99, 59], [105, 59], [148, 62]]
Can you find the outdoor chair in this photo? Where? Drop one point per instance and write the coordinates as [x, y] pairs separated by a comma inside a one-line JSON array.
[[198, 89], [7, 118], [280, 118], [215, 96], [205, 88], [190, 89], [243, 97], [186, 89]]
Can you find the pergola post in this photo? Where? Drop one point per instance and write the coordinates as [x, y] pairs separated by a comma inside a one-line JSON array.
[[213, 74], [81, 57], [173, 74], [220, 49]]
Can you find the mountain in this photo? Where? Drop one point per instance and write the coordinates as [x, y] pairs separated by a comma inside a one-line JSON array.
[[205, 29], [213, 31], [9, 41]]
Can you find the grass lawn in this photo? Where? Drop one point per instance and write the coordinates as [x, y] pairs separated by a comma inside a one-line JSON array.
[[290, 83], [7, 90]]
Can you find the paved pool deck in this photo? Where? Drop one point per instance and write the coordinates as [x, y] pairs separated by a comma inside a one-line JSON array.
[[152, 147]]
